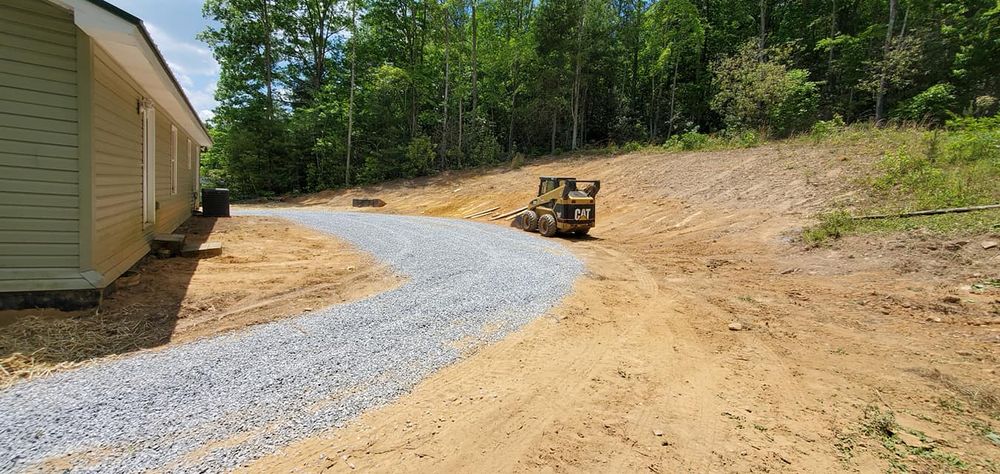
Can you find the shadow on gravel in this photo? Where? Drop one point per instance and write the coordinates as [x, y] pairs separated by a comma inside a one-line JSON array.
[[136, 315]]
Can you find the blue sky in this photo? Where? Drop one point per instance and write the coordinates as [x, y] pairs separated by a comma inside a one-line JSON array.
[[173, 25]]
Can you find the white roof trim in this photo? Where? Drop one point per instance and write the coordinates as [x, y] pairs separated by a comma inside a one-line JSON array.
[[127, 43]]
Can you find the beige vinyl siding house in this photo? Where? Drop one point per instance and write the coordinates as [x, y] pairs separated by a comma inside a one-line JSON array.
[[98, 145]]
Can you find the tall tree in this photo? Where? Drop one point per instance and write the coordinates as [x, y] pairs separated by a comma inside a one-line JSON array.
[[350, 103], [886, 53]]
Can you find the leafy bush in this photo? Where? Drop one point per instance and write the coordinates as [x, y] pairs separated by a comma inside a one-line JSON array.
[[627, 128], [419, 157], [688, 141], [797, 106], [744, 139], [372, 171], [983, 106], [484, 149], [213, 178], [763, 95], [693, 141], [826, 128], [973, 139], [933, 105], [455, 157], [631, 147]]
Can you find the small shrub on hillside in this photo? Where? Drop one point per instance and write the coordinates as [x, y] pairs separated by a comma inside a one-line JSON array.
[[797, 109], [692, 140], [983, 106], [826, 128], [744, 139], [419, 157], [372, 170], [630, 147], [484, 149], [627, 128], [973, 139], [933, 105], [831, 226]]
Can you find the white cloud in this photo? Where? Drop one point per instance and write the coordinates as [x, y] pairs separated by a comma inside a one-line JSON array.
[[193, 66], [189, 55]]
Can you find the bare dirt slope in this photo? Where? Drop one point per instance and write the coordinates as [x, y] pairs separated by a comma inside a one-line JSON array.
[[876, 353]]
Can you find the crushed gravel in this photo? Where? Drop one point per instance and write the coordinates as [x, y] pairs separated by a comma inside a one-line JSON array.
[[217, 403]]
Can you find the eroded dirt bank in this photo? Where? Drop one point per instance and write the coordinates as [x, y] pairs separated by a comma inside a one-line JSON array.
[[639, 369]]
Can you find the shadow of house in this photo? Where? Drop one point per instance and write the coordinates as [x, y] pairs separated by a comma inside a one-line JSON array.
[[140, 316]]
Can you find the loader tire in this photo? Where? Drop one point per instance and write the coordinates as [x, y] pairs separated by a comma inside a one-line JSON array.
[[547, 225], [529, 221]]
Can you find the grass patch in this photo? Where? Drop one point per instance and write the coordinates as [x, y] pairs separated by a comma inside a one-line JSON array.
[[955, 167], [881, 426]]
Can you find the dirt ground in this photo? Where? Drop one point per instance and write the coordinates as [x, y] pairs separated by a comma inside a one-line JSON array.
[[705, 337], [268, 269]]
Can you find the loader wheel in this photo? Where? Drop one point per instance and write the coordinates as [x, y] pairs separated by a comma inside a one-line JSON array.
[[547, 225], [529, 219]]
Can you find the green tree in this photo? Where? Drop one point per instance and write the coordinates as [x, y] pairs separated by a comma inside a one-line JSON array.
[[763, 94]]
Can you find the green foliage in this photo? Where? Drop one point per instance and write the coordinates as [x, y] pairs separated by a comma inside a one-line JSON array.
[[756, 93], [691, 140], [831, 226], [825, 128], [631, 147], [933, 105], [955, 167], [797, 105], [743, 138], [484, 80], [694, 141], [483, 147], [419, 157], [373, 170]]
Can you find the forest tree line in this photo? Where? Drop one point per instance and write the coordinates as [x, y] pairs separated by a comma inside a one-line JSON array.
[[317, 94]]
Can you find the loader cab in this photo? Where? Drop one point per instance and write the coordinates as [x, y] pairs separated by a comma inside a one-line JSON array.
[[548, 183]]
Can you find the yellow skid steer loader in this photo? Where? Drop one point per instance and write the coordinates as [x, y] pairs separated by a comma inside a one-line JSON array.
[[561, 206]]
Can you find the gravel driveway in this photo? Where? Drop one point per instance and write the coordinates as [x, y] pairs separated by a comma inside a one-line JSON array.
[[216, 403]]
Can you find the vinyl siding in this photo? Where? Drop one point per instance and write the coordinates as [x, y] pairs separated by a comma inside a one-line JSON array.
[[117, 159], [39, 162], [121, 238], [174, 209]]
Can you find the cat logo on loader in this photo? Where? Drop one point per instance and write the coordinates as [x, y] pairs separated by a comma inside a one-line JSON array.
[[561, 206]]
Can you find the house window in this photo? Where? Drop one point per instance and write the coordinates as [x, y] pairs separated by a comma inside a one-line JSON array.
[[148, 116], [173, 160]]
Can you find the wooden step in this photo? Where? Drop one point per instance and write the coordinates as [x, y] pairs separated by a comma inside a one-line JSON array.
[[170, 242], [207, 249]]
